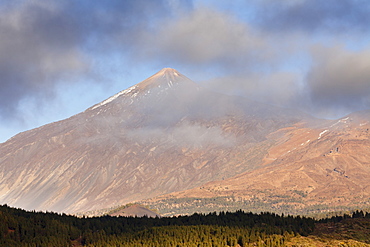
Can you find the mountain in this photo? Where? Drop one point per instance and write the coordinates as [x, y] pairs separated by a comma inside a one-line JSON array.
[[163, 135]]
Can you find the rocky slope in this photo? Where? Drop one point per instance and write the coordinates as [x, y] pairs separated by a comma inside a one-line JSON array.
[[163, 135], [325, 166]]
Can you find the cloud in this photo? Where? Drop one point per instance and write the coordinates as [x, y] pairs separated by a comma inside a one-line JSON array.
[[270, 58], [276, 88], [206, 37], [238, 58], [257, 63], [314, 15], [33, 53], [339, 79], [186, 134]]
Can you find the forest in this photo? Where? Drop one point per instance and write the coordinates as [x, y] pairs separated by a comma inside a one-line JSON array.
[[30, 228]]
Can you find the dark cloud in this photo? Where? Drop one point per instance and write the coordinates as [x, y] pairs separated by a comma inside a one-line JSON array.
[[44, 42], [315, 15], [339, 80], [33, 54]]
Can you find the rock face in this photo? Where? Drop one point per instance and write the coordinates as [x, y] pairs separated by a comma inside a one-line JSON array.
[[163, 135]]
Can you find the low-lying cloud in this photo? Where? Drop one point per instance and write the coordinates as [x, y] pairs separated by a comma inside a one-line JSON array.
[[186, 134]]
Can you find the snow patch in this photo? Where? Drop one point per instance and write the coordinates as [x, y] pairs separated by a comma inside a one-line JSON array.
[[322, 134], [290, 151], [343, 120], [305, 142], [115, 97], [334, 124]]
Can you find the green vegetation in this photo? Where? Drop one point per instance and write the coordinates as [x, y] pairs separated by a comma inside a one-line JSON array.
[[33, 229]]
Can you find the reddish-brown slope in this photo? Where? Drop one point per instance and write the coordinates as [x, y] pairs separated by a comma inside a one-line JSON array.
[[328, 164]]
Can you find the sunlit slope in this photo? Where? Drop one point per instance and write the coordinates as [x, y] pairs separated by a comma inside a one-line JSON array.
[[163, 135]]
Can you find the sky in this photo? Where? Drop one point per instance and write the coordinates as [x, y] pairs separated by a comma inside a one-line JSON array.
[[57, 58]]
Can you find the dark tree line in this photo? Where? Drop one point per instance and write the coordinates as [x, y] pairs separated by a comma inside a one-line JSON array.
[[354, 215], [22, 228]]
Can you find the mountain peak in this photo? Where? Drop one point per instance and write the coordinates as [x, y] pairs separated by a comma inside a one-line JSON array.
[[168, 71], [166, 77]]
